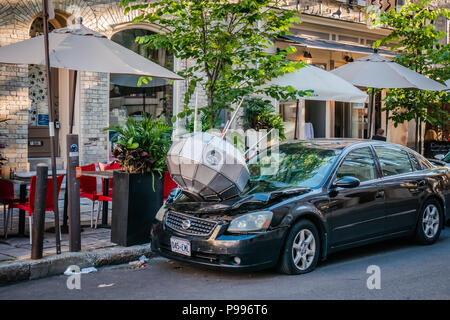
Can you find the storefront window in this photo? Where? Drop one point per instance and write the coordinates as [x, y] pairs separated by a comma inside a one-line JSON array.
[[129, 99]]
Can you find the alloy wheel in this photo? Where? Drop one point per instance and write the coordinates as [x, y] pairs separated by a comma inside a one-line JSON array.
[[303, 249], [430, 221]]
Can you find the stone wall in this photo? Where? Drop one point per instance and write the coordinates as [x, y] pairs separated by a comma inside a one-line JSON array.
[[94, 117], [16, 17], [14, 102]]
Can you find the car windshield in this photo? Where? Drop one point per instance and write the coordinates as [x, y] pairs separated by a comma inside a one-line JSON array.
[[301, 164], [447, 158]]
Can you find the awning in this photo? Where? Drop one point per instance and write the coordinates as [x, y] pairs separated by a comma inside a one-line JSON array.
[[335, 46]]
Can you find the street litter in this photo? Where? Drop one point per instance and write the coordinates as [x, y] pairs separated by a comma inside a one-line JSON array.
[[105, 285], [76, 270], [141, 263]]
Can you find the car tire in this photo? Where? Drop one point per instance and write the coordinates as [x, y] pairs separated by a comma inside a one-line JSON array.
[[430, 223], [299, 254]]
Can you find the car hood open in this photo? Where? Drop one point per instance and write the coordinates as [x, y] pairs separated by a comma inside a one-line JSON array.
[[257, 195]]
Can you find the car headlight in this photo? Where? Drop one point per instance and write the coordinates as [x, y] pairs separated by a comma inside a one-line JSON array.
[[160, 214], [254, 221]]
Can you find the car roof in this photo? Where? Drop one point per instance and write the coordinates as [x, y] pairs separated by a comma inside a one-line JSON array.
[[329, 143], [343, 143]]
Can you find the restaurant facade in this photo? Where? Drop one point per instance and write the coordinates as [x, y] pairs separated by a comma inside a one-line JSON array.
[[332, 33]]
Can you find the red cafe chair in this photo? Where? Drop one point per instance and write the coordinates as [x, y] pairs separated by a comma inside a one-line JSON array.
[[169, 185], [6, 198], [88, 188], [29, 205], [101, 197]]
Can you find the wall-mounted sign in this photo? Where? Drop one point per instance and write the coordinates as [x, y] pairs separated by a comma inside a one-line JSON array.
[[73, 150], [42, 119], [35, 143]]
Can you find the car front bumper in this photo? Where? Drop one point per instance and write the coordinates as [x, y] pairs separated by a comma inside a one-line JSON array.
[[255, 251]]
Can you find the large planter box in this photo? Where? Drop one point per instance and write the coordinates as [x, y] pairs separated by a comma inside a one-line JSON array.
[[135, 205]]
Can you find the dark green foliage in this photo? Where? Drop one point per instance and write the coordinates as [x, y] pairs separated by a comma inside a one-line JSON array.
[[142, 145], [226, 44], [260, 114], [415, 36]]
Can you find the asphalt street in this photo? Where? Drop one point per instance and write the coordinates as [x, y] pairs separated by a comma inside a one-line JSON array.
[[408, 271]]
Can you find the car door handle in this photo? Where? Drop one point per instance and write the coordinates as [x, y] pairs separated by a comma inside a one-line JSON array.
[[380, 194]]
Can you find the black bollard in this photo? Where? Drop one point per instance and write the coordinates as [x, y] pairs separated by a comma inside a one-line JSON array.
[[37, 230], [73, 192]]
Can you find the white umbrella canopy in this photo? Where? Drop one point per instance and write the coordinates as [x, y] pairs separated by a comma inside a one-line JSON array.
[[79, 48], [326, 85], [375, 71]]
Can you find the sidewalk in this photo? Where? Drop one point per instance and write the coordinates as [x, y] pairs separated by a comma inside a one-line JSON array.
[[96, 249], [19, 248]]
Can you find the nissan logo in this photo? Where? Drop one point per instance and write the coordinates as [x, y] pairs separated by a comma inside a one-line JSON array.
[[186, 224]]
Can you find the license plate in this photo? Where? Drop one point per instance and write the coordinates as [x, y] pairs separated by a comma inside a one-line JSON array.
[[180, 246]]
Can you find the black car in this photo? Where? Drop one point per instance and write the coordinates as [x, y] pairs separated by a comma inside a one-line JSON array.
[[306, 199]]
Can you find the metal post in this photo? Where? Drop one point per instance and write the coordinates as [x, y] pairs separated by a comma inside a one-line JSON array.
[[371, 113], [420, 136], [37, 241], [296, 121], [387, 124], [51, 125], [73, 191]]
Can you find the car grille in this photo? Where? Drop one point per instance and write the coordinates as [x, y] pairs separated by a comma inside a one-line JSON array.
[[189, 224]]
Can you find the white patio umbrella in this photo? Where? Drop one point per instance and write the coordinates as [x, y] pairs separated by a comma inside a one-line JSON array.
[[325, 86], [81, 49], [375, 71]]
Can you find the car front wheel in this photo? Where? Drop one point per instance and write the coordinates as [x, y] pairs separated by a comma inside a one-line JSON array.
[[302, 249], [430, 223]]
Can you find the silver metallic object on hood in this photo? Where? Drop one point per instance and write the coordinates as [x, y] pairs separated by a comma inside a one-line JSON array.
[[207, 165]]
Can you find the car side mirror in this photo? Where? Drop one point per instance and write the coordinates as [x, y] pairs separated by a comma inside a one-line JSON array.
[[347, 182], [439, 156]]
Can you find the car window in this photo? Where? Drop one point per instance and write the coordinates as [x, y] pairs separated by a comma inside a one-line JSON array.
[[447, 158], [424, 162], [300, 164], [393, 160], [415, 163], [360, 164]]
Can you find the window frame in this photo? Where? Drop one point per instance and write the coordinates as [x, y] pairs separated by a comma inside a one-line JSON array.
[[355, 147], [399, 148]]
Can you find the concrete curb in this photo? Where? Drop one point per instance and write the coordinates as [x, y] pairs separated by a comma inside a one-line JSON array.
[[56, 264]]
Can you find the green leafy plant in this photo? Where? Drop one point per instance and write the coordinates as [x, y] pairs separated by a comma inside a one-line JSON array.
[[226, 47], [260, 114], [415, 37], [142, 145]]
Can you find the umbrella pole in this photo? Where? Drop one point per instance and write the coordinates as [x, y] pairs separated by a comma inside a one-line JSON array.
[[51, 125], [387, 123], [371, 109], [296, 121], [143, 101]]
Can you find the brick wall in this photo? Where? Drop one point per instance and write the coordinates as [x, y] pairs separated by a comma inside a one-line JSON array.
[[14, 100], [15, 19], [94, 116]]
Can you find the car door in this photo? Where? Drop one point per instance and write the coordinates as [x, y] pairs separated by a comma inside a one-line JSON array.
[[401, 185], [356, 213]]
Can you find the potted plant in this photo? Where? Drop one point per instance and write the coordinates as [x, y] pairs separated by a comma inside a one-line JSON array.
[[141, 150]]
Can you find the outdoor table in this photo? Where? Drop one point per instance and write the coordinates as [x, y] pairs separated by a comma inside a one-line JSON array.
[[106, 176], [23, 197]]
